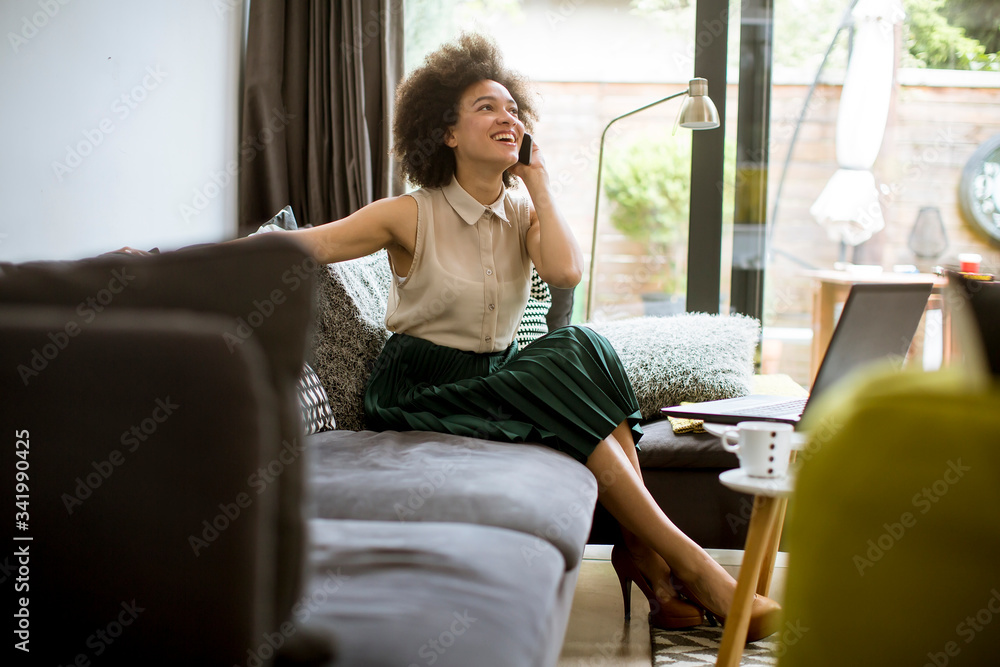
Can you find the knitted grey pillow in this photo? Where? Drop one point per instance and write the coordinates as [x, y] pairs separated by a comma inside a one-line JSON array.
[[350, 332], [690, 357]]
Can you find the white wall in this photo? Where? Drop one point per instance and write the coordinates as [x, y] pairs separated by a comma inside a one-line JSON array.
[[115, 115]]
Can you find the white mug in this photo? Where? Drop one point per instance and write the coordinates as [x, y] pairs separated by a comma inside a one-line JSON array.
[[764, 448]]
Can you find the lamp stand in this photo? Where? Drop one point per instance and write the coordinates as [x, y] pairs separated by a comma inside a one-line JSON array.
[[597, 199]]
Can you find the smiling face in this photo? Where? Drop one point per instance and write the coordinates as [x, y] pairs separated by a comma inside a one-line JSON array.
[[488, 129]]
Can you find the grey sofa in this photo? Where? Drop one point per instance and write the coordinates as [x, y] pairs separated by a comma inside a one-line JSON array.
[[177, 513]]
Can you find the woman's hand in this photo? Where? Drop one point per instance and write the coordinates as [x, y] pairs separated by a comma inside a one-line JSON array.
[[550, 243], [528, 173]]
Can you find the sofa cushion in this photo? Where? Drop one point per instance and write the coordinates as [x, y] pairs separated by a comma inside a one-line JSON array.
[[425, 476], [139, 483], [433, 593], [660, 447], [262, 285], [690, 357], [350, 332]]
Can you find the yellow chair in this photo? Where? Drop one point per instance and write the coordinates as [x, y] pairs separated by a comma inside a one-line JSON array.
[[894, 533]]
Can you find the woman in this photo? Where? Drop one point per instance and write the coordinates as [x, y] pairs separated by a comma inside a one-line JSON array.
[[461, 250]]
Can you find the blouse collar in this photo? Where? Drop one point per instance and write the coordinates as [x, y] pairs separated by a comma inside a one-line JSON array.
[[468, 208]]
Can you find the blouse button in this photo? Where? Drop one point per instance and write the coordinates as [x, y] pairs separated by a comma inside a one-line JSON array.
[[492, 307], [488, 339], [489, 272]]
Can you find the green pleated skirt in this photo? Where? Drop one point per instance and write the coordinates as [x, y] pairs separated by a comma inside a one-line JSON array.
[[567, 390]]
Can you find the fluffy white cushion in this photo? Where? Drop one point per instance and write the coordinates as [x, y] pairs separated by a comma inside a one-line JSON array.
[[689, 357]]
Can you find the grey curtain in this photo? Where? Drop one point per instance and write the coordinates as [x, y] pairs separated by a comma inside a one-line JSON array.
[[319, 81]]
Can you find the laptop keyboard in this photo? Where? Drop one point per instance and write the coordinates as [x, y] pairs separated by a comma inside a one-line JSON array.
[[795, 406]]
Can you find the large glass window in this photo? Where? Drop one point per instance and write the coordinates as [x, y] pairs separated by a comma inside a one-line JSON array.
[[867, 153]]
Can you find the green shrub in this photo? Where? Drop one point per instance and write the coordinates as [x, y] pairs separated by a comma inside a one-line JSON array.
[[648, 185]]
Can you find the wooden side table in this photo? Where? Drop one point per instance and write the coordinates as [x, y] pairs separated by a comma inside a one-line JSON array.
[[763, 535]]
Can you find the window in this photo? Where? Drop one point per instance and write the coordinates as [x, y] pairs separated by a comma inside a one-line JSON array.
[[920, 118]]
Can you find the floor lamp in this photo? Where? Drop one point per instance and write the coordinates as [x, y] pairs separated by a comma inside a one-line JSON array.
[[698, 113]]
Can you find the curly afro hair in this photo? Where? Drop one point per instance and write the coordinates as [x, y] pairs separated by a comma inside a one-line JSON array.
[[427, 105]]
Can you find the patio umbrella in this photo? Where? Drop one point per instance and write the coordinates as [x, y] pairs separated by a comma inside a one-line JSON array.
[[849, 207]]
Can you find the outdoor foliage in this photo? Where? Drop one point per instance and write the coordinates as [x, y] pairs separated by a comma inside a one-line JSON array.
[[935, 42], [648, 183], [980, 18], [938, 34]]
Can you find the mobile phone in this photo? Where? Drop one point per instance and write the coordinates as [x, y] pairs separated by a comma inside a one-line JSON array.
[[524, 155]]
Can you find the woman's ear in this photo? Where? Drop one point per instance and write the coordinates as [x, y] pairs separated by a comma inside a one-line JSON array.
[[449, 138]]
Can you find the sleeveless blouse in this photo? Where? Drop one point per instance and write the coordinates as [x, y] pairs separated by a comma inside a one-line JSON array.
[[468, 284]]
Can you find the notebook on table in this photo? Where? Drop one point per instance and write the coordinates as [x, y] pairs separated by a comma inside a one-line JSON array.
[[878, 321]]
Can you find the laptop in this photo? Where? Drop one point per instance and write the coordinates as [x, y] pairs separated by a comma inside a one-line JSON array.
[[877, 322]]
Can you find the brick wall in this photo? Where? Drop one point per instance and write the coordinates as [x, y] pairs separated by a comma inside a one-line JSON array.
[[931, 133]]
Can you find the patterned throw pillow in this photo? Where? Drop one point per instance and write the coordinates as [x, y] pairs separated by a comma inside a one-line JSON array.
[[314, 403], [533, 324]]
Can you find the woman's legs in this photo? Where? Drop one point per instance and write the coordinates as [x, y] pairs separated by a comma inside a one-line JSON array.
[[650, 563], [621, 491]]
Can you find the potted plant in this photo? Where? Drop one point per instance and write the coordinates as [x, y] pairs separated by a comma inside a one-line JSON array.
[[648, 184]]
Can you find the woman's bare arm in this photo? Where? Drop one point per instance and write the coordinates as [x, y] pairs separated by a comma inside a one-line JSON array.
[[381, 224]]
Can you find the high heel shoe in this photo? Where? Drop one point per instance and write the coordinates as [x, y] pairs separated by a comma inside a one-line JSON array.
[[765, 613], [670, 615]]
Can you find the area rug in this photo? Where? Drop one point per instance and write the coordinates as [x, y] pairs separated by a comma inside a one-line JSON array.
[[700, 646]]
